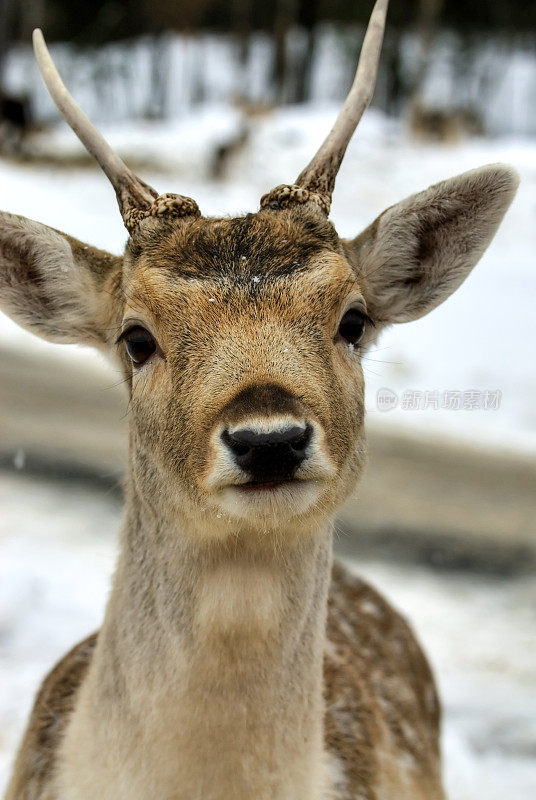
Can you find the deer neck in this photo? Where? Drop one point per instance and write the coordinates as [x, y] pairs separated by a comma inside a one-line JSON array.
[[211, 659]]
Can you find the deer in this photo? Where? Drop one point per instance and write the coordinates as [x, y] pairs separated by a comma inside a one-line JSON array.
[[236, 658]]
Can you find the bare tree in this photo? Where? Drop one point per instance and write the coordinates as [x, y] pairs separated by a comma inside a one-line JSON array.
[[6, 18], [428, 17], [286, 12], [160, 74], [309, 13], [15, 111], [241, 22]]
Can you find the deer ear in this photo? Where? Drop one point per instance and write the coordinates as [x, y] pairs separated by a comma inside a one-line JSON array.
[[54, 285], [419, 251]]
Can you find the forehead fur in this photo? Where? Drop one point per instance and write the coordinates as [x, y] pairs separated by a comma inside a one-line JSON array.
[[268, 243]]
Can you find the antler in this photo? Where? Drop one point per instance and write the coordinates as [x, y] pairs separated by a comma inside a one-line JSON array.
[[316, 182], [136, 199]]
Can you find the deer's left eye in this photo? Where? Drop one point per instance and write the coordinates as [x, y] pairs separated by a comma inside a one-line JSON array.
[[352, 326], [140, 344]]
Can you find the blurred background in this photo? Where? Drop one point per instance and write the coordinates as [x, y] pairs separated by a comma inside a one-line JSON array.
[[221, 100]]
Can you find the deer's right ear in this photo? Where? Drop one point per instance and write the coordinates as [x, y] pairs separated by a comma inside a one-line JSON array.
[[55, 286]]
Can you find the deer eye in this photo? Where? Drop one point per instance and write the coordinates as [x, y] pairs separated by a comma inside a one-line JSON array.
[[352, 326], [140, 344]]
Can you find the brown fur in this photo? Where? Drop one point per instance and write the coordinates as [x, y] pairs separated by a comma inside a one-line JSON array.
[[379, 688], [54, 702]]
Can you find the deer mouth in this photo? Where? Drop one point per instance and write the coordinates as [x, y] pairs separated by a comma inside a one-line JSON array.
[[284, 497], [267, 485]]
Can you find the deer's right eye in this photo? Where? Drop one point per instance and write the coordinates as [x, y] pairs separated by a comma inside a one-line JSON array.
[[140, 344]]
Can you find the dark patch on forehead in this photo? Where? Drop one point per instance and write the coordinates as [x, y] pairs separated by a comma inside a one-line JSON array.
[[267, 244]]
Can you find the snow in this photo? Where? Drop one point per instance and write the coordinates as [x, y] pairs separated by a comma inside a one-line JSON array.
[[480, 341], [58, 553]]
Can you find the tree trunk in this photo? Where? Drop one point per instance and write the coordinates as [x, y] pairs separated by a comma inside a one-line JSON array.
[[241, 28], [427, 24], [160, 69], [285, 16], [241, 22], [308, 18], [5, 18]]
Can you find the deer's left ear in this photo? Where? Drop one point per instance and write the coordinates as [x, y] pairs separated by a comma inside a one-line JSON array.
[[419, 251], [55, 286]]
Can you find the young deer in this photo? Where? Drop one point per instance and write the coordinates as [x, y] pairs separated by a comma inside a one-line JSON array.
[[234, 660]]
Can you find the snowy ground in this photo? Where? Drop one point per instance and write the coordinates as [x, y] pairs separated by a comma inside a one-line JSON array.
[[481, 340], [57, 558]]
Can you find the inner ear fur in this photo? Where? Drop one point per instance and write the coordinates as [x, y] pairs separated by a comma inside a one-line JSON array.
[[56, 286], [418, 252]]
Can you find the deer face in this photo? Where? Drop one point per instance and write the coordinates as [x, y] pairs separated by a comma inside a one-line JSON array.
[[247, 392]]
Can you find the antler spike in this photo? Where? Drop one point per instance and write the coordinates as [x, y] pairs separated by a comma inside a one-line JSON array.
[[136, 199], [319, 175]]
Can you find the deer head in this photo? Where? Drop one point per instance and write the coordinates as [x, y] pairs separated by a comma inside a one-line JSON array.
[[242, 338]]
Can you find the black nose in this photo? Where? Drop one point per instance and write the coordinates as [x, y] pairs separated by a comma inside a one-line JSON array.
[[273, 456]]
